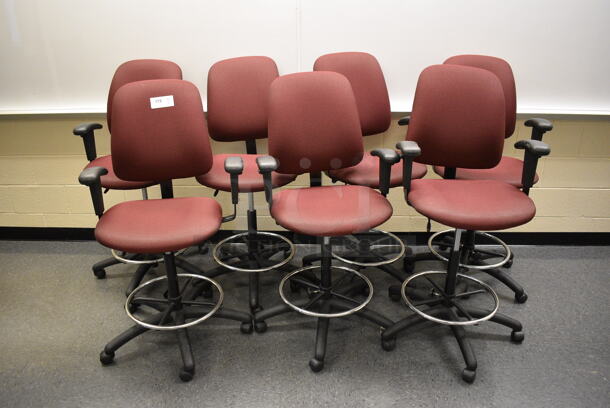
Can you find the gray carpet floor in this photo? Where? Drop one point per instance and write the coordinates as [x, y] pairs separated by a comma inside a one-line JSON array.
[[55, 318]]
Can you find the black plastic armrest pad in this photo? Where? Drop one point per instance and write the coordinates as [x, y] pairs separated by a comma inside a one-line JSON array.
[[86, 128], [91, 175], [234, 165], [408, 148], [404, 121], [540, 124], [387, 155], [266, 164], [535, 147]]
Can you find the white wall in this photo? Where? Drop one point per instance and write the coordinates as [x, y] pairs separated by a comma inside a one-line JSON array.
[[60, 55]]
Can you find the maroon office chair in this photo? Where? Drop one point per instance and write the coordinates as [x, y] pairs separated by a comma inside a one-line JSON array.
[[368, 83], [509, 170], [314, 127], [238, 90], [130, 71], [161, 143], [371, 93], [458, 121]]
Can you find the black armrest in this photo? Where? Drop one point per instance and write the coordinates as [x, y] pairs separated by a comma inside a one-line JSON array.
[[234, 166], [91, 177], [539, 127], [408, 148], [408, 151], [387, 158], [404, 120], [534, 149], [267, 164], [85, 130], [534, 146]]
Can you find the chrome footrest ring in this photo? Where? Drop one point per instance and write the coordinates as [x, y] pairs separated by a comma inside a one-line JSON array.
[[217, 249], [485, 288], [470, 266], [348, 312], [122, 258], [397, 243], [206, 316]]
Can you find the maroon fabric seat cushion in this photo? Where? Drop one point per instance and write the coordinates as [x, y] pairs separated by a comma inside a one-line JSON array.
[[330, 210], [249, 181], [366, 173], [472, 204], [153, 226], [509, 170], [111, 180]]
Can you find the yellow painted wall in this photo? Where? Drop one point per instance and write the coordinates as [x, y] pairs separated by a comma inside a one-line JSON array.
[[40, 161]]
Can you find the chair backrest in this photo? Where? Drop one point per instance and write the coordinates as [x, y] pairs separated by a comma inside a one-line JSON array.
[[139, 70], [238, 96], [159, 141], [366, 77], [458, 117], [313, 123], [504, 72]]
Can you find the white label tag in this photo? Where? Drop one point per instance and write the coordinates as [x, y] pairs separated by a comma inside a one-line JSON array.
[[162, 102]]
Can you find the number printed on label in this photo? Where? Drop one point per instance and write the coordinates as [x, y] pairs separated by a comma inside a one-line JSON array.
[[162, 102]]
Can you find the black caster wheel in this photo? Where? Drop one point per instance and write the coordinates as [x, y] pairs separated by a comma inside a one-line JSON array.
[[99, 273], [521, 297], [316, 365], [394, 294], [106, 358], [186, 375], [408, 265], [260, 327], [517, 336], [388, 344], [246, 327], [469, 375]]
